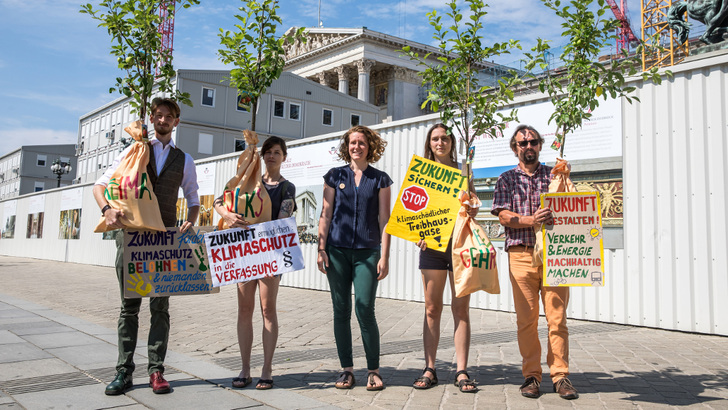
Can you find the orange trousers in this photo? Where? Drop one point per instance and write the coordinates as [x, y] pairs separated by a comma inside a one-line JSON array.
[[527, 282]]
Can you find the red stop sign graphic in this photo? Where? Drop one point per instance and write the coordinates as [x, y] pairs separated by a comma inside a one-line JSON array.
[[414, 198]]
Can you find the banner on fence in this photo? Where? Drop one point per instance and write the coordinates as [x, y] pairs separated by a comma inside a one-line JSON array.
[[573, 251], [166, 263], [263, 250]]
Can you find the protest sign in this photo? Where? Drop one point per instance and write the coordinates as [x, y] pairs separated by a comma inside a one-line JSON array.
[[166, 263], [263, 250], [427, 204], [573, 252]]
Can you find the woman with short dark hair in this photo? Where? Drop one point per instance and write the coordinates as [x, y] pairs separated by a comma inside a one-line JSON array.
[[282, 194]]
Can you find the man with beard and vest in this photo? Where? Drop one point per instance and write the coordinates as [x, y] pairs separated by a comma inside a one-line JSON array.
[[516, 203], [169, 169]]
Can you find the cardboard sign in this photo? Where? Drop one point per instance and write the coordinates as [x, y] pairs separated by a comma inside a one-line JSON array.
[[573, 252], [427, 204], [263, 250], [166, 263]]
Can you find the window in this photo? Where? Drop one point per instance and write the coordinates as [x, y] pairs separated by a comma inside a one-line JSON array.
[[42, 160], [355, 120], [294, 111], [239, 145], [39, 186], [328, 118], [204, 145], [279, 108], [243, 103], [208, 97]]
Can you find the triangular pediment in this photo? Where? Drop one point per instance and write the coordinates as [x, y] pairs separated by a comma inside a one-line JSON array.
[[317, 38]]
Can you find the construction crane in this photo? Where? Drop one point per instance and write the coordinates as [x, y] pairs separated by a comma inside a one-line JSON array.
[[663, 48], [166, 29], [625, 35]]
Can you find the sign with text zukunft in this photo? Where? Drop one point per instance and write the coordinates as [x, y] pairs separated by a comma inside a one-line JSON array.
[[573, 252], [166, 263], [263, 250], [427, 204]]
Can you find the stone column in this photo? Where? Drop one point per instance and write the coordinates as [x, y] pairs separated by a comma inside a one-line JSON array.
[[343, 73], [364, 67], [322, 78]]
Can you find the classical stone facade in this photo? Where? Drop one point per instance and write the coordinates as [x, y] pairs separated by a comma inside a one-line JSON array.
[[370, 66]]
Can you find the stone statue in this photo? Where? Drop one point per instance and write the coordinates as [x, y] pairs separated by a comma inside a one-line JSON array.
[[712, 13]]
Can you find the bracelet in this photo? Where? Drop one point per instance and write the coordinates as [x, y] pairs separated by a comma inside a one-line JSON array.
[[104, 209], [322, 250]]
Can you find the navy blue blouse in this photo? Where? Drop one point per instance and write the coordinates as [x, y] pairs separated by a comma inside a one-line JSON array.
[[355, 218]]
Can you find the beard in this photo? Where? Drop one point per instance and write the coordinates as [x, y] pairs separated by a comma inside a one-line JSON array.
[[162, 129], [529, 157]]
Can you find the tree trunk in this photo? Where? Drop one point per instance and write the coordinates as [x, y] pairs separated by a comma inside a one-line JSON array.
[[253, 112]]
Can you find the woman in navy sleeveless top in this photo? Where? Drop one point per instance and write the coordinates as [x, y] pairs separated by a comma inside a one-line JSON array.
[[353, 247]]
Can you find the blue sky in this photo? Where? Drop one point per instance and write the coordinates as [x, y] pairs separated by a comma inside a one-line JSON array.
[[55, 64]]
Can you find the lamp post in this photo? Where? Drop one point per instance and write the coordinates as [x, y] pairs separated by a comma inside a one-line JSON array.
[[59, 168]]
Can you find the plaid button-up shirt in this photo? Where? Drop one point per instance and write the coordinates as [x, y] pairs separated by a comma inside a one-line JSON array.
[[518, 192]]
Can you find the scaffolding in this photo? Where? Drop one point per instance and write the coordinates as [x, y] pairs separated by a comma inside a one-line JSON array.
[[662, 48], [166, 29]]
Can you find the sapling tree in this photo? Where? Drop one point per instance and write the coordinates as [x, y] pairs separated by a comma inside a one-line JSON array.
[[137, 45], [255, 51], [575, 91], [455, 80]]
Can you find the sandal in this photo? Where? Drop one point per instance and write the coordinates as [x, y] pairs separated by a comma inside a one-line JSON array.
[[428, 382], [371, 386], [240, 382], [264, 384], [346, 380], [466, 382]]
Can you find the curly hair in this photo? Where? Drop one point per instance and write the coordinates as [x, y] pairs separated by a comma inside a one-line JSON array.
[[376, 144], [453, 151]]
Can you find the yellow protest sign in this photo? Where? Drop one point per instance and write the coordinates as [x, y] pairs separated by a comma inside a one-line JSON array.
[[573, 251], [427, 204]]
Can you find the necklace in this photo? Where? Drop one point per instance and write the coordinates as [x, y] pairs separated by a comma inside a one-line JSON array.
[[274, 183]]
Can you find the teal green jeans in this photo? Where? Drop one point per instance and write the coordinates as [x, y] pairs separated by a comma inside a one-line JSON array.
[[129, 323], [357, 267]]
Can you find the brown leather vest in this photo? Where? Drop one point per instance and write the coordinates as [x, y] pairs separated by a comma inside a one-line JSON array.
[[166, 184]]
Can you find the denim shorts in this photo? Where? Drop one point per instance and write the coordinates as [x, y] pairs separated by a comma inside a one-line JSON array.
[[431, 259]]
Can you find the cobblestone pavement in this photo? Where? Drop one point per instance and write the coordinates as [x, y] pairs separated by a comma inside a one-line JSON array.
[[613, 366]]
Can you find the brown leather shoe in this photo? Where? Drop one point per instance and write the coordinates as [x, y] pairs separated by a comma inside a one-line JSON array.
[[158, 384], [530, 388], [565, 389]]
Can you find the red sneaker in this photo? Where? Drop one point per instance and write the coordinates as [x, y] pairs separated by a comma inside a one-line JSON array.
[[158, 384]]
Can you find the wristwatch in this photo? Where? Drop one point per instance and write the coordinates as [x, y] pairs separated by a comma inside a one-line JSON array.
[[104, 209]]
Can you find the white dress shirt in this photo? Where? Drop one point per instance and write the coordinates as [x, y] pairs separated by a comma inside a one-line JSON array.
[[189, 179]]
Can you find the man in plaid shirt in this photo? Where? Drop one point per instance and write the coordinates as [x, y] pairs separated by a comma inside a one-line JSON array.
[[517, 204]]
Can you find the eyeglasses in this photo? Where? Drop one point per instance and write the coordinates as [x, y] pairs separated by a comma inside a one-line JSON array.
[[524, 144]]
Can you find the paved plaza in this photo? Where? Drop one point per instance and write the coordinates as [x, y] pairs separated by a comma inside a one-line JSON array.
[[58, 350]]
